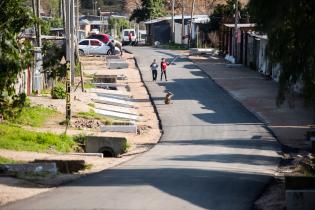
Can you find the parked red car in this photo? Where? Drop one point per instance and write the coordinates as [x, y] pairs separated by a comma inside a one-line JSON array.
[[102, 37]]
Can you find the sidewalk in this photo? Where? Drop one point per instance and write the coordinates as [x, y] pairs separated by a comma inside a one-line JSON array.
[[259, 96]]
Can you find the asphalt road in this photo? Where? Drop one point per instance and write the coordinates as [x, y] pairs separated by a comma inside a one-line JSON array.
[[214, 154]]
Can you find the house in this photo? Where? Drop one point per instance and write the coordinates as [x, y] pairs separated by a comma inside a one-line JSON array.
[[227, 39], [89, 22], [160, 29]]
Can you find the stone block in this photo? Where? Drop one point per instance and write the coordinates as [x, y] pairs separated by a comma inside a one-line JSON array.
[[105, 78], [117, 64], [120, 128], [29, 169], [65, 166], [109, 146]]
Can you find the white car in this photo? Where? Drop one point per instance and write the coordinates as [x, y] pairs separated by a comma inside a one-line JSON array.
[[125, 36], [95, 47]]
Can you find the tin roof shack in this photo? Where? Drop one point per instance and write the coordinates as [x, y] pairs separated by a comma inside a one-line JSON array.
[[257, 57], [198, 36], [227, 40], [158, 30]]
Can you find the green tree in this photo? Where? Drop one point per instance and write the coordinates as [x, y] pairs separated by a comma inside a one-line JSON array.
[[119, 24], [15, 54], [149, 9], [290, 26], [51, 61], [224, 13], [46, 25]]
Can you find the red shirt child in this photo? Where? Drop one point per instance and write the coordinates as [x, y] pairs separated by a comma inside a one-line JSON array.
[[164, 65]]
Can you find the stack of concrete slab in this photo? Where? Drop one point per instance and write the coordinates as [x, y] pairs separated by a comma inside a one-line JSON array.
[[119, 128], [109, 85], [119, 109], [108, 78], [114, 63], [118, 105], [111, 92], [116, 114], [113, 101], [200, 51]]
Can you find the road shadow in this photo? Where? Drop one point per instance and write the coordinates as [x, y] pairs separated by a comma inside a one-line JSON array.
[[208, 189], [247, 159], [261, 144]]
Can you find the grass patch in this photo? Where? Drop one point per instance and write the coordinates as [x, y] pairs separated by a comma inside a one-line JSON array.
[[173, 46], [80, 139], [45, 91], [34, 116], [91, 105], [88, 166], [13, 137], [126, 147], [4, 160], [88, 75], [88, 85], [93, 115]]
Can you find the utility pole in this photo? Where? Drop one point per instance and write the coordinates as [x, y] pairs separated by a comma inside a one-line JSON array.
[[39, 40], [173, 21], [183, 23], [63, 15], [77, 18], [37, 72], [191, 23], [68, 59], [72, 44], [236, 32]]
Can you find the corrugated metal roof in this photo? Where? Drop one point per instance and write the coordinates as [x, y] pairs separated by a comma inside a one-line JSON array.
[[197, 19], [241, 25]]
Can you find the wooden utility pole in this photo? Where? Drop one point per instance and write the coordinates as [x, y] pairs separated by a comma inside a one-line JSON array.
[[68, 59], [63, 15], [183, 23], [72, 41], [38, 35], [77, 43], [173, 21], [236, 32], [191, 23]]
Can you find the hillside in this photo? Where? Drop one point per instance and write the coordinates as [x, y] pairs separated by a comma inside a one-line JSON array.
[[201, 6]]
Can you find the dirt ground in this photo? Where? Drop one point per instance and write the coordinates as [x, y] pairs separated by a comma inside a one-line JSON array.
[[12, 189]]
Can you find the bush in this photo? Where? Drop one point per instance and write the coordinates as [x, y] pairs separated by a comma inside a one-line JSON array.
[[58, 92]]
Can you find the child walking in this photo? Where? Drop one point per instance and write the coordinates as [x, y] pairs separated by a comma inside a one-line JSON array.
[[164, 65], [154, 66]]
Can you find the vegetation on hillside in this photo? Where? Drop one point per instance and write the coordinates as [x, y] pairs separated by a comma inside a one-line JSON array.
[[149, 9]]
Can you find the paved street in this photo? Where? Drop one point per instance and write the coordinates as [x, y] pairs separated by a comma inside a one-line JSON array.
[[214, 154]]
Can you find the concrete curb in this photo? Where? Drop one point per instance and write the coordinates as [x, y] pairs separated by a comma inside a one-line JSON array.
[[150, 96]]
